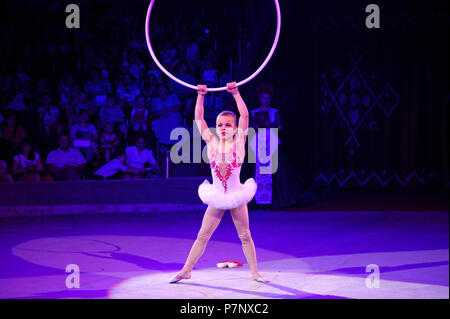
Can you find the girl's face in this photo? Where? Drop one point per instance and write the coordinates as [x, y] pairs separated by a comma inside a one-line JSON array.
[[225, 127], [264, 99]]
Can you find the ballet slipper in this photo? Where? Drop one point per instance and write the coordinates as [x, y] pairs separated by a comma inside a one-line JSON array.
[[260, 279], [178, 277], [234, 264], [223, 264]]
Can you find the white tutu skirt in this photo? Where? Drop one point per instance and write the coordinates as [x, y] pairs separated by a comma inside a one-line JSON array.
[[229, 200]]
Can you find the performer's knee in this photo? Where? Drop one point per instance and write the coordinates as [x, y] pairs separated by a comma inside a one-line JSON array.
[[203, 236], [245, 236]]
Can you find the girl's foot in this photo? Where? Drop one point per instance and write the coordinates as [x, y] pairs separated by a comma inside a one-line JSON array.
[[259, 278], [179, 277]]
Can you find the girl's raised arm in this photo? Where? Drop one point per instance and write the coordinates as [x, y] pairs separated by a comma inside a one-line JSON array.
[[243, 111], [202, 126]]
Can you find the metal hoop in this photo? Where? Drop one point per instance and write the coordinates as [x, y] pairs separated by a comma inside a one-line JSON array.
[[149, 45]]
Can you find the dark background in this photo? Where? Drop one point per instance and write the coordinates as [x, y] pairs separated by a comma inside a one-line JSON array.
[[401, 68]]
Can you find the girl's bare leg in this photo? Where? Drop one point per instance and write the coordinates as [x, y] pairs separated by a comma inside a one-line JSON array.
[[240, 219], [211, 220]]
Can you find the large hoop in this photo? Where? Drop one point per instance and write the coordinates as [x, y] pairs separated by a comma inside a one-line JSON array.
[[149, 45]]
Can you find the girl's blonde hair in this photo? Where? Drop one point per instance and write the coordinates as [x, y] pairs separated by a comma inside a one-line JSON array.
[[228, 113]]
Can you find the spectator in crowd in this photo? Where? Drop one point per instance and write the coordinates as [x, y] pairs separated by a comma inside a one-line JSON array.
[[112, 112], [77, 104], [27, 165], [23, 78], [21, 105], [193, 52], [18, 103], [214, 104], [182, 72], [210, 75], [97, 88], [70, 108], [47, 140], [92, 55], [65, 163], [166, 109], [105, 97], [102, 67], [150, 86], [139, 157], [139, 114], [84, 136], [183, 93], [13, 132], [49, 114], [41, 88], [154, 70], [4, 175], [128, 89], [134, 65], [109, 141], [85, 105], [211, 57], [168, 54], [180, 57], [117, 167], [64, 87]]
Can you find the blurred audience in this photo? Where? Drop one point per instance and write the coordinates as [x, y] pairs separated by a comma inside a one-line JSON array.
[[112, 112], [27, 164], [109, 141], [49, 114], [54, 106], [166, 110], [65, 163], [139, 157], [4, 175], [84, 136]]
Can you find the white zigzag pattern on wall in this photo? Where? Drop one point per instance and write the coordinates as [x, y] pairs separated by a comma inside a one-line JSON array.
[[374, 176], [356, 23]]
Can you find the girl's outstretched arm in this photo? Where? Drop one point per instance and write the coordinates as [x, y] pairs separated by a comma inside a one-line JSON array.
[[199, 115], [243, 111]]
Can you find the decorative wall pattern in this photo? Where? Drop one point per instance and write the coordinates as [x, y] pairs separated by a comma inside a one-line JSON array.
[[400, 22], [383, 179], [354, 98]]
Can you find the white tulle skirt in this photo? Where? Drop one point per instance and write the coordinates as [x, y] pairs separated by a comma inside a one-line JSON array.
[[229, 200]]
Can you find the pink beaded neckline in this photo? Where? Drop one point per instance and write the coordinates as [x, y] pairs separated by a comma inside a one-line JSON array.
[[229, 168], [230, 165]]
